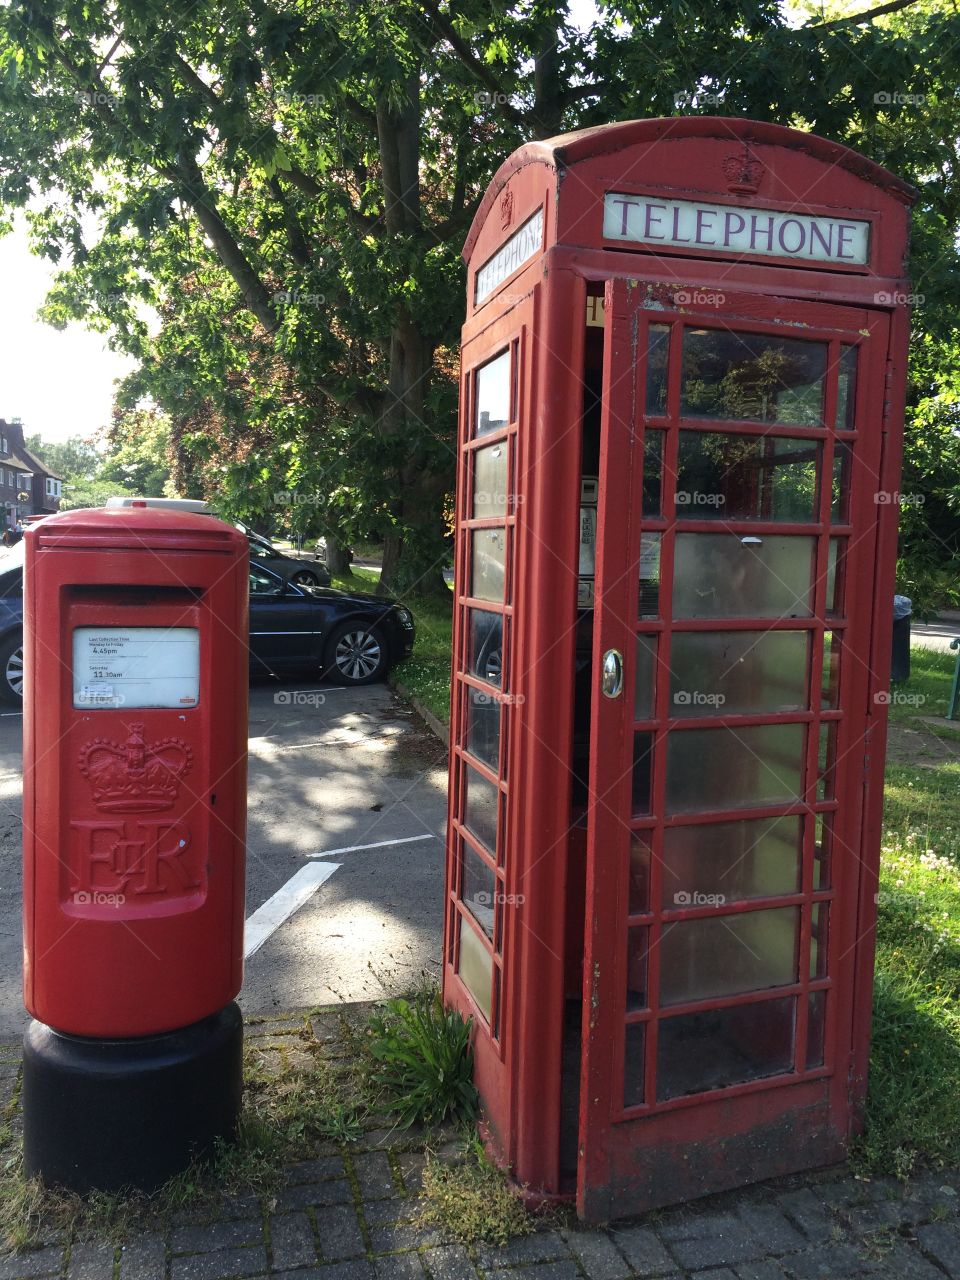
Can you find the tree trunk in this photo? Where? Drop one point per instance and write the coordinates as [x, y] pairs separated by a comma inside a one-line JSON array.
[[337, 555]]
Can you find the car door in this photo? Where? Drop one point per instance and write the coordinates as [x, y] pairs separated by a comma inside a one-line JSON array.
[[286, 625]]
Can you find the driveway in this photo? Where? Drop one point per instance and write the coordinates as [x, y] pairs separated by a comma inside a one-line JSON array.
[[330, 769]]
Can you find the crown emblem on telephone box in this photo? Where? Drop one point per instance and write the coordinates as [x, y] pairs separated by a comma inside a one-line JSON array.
[[135, 776]]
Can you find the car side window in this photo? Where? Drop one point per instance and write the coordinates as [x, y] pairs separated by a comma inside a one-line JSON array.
[[264, 584]]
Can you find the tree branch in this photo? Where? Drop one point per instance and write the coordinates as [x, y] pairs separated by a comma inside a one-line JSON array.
[[855, 19], [480, 71]]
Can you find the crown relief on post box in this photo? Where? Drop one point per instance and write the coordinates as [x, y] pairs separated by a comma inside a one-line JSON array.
[[696, 224]]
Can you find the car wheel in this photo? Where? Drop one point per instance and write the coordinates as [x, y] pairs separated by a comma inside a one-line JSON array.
[[11, 670], [356, 654], [304, 578]]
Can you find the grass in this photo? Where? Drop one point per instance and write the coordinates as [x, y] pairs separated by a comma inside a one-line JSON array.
[[913, 1103], [471, 1201]]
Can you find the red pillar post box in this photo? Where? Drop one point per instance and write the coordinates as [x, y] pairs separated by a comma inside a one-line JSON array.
[[135, 740], [683, 372]]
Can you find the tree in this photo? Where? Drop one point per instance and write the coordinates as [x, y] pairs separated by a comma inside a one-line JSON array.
[[75, 457], [140, 453], [290, 185]]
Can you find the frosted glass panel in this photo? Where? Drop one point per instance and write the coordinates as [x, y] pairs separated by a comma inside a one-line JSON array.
[[701, 1051], [489, 563], [731, 768], [490, 481], [480, 802], [730, 861], [738, 672], [734, 477], [753, 376], [649, 575], [476, 968], [725, 955], [717, 575], [493, 395], [846, 389]]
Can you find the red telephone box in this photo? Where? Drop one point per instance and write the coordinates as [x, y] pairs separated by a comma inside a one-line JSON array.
[[134, 833], [681, 414]]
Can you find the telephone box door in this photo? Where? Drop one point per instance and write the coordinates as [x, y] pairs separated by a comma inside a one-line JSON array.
[[740, 455]]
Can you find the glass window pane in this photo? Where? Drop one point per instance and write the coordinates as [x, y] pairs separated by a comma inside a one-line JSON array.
[[840, 498], [486, 646], [738, 672], [483, 726], [636, 969], [816, 1025], [477, 890], [642, 771], [821, 852], [730, 861], [489, 563], [649, 575], [475, 968], [826, 761], [658, 355], [639, 899], [819, 930], [846, 390], [652, 472], [646, 669], [490, 496], [731, 768], [701, 1051], [725, 955], [493, 395], [754, 376], [834, 579], [481, 801], [732, 477], [721, 575], [633, 1063], [830, 681]]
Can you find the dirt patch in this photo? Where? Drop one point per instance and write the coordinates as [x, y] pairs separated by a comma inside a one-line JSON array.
[[921, 744]]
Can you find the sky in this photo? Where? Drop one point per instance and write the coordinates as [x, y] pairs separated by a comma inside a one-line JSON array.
[[60, 383]]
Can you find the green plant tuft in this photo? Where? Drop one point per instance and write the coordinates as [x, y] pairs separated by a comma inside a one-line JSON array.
[[472, 1201], [422, 1061]]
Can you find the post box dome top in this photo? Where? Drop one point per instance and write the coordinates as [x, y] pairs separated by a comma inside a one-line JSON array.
[[569, 150], [146, 527]]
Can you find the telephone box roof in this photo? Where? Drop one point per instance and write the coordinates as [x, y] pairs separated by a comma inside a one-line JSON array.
[[568, 149]]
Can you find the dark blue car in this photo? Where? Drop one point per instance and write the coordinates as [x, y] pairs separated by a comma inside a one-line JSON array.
[[349, 637]]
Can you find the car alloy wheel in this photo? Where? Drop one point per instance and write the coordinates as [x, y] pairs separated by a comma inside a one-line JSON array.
[[304, 578], [357, 655], [13, 672]]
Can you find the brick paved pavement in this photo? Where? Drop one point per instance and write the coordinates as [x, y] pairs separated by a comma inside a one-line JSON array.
[[349, 1214]]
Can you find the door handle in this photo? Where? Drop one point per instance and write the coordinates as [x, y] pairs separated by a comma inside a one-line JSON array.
[[611, 675]]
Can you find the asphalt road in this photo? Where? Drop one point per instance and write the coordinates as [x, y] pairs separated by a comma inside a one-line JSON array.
[[330, 768]]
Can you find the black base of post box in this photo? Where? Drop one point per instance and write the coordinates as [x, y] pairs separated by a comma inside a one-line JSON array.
[[112, 1114]]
